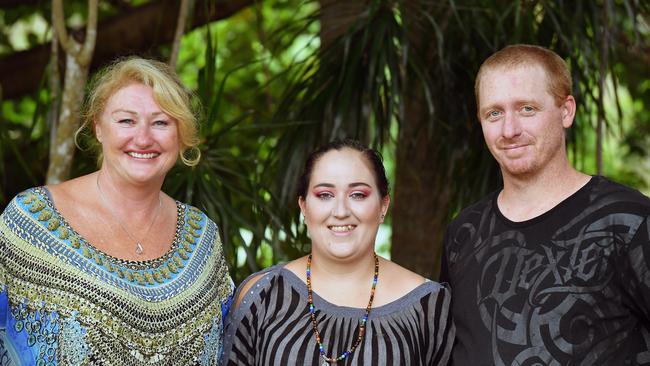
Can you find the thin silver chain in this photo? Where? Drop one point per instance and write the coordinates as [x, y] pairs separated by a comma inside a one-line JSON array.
[[139, 249]]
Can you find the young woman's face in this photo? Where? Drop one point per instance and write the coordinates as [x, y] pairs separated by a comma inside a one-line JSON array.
[[343, 206]]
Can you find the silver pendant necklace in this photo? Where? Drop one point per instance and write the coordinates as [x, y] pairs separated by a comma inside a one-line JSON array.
[[139, 249]]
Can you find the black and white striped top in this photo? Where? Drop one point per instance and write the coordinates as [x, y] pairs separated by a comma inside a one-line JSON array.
[[271, 326]]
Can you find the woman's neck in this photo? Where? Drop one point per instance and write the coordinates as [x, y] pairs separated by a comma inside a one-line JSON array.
[[131, 195], [345, 283]]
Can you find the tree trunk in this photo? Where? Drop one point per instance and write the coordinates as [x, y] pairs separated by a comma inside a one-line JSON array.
[[336, 18], [78, 58], [420, 206], [441, 161], [54, 82], [62, 153], [421, 199]]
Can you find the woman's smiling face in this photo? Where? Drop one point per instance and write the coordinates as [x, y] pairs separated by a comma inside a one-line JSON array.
[[139, 141], [343, 207]]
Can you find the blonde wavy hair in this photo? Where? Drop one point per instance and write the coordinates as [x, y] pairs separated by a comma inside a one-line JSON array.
[[168, 92]]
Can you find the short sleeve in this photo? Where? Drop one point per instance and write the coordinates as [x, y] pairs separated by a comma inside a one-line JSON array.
[[444, 328], [241, 331]]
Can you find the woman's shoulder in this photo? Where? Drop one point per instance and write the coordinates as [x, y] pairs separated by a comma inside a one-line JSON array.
[[190, 210], [74, 189], [251, 289], [189, 207], [405, 286], [39, 191], [30, 201], [195, 217], [264, 278], [397, 281], [400, 274], [257, 281]]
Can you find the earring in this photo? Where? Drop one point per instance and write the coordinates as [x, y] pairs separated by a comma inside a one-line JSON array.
[[382, 216]]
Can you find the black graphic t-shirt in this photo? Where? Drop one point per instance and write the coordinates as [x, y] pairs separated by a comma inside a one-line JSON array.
[[569, 287]]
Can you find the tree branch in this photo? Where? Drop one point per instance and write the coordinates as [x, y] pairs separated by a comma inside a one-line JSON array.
[[55, 88], [180, 30], [86, 53], [139, 30], [58, 17]]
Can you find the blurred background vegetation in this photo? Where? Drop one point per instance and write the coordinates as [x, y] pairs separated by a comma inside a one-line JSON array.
[[277, 78]]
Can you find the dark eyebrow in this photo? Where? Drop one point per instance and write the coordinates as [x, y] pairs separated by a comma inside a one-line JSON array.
[[351, 185], [328, 185], [357, 184]]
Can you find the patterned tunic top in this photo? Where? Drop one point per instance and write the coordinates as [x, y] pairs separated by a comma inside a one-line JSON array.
[[271, 326], [63, 302]]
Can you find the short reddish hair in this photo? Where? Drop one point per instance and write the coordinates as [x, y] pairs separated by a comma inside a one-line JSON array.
[[557, 72]]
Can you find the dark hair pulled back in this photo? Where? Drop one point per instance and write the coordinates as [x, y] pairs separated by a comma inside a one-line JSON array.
[[372, 156]]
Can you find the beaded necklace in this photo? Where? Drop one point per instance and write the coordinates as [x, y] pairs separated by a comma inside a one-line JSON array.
[[362, 322]]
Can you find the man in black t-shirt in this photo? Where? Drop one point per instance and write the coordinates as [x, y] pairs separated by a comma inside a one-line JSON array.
[[554, 268]]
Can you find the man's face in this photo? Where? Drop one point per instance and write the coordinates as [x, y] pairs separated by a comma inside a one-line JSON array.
[[522, 125]]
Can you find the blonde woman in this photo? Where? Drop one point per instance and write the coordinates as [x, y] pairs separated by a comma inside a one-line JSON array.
[[107, 269]]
